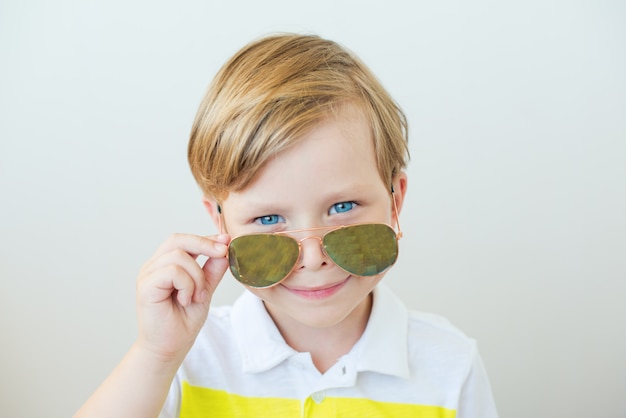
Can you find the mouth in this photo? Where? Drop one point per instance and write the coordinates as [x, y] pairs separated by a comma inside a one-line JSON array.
[[321, 292]]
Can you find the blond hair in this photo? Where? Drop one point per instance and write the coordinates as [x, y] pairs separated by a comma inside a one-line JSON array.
[[269, 94]]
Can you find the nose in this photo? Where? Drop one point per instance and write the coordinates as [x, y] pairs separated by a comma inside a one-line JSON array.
[[312, 254]]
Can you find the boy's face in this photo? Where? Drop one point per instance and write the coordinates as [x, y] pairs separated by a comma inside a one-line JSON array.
[[329, 178]]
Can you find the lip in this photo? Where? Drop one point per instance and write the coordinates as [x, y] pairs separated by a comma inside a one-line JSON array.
[[318, 292]]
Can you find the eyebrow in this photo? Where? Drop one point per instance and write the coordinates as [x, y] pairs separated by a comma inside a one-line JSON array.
[[257, 207]]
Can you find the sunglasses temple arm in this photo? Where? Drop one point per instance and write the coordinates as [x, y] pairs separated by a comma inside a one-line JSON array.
[[219, 218], [395, 210]]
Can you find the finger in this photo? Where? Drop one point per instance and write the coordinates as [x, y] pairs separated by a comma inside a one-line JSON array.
[[223, 238], [178, 257], [194, 245], [164, 282], [214, 269]]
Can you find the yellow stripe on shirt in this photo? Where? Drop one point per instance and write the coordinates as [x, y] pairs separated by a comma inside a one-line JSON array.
[[202, 402]]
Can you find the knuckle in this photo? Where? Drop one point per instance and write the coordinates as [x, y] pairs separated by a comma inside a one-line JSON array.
[[176, 238], [179, 253], [175, 270]]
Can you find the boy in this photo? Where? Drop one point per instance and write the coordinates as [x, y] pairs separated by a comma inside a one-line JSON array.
[[299, 152]]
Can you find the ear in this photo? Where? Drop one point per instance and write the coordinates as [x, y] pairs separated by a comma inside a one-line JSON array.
[[212, 207], [400, 183]]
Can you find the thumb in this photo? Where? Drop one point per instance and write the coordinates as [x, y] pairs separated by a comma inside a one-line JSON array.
[[214, 269]]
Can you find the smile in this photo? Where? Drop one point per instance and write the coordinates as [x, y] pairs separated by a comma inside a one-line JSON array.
[[319, 292]]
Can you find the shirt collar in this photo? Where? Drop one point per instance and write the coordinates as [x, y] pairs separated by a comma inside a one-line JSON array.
[[259, 341], [383, 347]]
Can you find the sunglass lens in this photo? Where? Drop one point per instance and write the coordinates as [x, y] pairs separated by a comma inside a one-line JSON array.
[[363, 250], [262, 260]]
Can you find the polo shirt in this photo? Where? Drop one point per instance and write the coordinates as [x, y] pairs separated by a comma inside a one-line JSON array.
[[406, 364]]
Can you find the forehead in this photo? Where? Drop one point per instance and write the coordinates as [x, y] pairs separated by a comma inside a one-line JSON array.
[[335, 156]]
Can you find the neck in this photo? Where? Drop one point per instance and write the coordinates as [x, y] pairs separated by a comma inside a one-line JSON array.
[[325, 344]]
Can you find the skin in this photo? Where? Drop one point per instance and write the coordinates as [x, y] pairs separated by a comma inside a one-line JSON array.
[[328, 178]]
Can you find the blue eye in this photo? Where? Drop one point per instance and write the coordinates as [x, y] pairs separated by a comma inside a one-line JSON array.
[[269, 219], [341, 207]]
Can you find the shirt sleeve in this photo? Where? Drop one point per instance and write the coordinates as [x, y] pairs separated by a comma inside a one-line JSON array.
[[476, 399]]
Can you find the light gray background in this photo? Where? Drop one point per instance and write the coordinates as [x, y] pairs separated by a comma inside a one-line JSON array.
[[514, 225]]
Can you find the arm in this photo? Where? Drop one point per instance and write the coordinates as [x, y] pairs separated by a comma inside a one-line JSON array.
[[173, 298]]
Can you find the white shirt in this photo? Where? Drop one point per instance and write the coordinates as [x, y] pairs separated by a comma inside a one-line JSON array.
[[405, 364]]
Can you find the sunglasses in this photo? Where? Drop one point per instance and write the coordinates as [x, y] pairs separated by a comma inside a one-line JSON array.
[[265, 259]]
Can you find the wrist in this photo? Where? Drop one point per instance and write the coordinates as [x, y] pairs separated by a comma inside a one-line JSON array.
[[158, 360]]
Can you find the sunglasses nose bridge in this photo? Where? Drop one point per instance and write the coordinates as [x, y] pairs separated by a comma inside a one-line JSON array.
[[317, 237], [320, 241]]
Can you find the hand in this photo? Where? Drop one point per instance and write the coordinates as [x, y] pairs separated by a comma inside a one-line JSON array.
[[174, 293]]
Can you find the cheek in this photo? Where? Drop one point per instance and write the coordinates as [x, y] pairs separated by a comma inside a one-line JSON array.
[[263, 293], [369, 283], [384, 214]]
